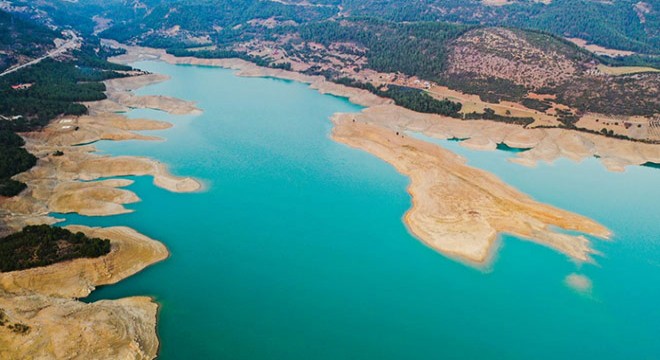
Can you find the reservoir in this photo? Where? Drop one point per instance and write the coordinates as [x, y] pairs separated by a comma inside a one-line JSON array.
[[296, 248]]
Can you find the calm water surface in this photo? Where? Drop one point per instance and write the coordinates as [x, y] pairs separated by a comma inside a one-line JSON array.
[[296, 249]]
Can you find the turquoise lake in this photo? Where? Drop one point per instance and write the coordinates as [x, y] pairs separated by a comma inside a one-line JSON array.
[[296, 248]]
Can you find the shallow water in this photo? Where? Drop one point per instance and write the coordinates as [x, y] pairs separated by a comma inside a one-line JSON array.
[[296, 249]]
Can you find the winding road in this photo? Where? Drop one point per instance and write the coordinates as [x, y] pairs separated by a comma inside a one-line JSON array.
[[68, 45]]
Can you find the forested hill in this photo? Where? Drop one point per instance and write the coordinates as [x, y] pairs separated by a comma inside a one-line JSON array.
[[621, 24], [215, 20], [22, 39]]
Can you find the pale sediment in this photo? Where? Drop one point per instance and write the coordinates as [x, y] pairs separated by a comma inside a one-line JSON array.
[[61, 327], [54, 184], [459, 210], [68, 329], [578, 283], [544, 144], [130, 253]]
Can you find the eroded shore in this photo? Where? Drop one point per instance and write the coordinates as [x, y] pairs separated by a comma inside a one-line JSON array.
[[459, 210], [64, 328]]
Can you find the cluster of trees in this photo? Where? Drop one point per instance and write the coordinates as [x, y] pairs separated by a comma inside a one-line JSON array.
[[614, 24], [14, 160], [409, 98], [489, 89], [205, 15], [536, 104], [416, 49], [41, 245], [489, 114], [620, 95], [229, 54], [631, 60], [56, 89], [611, 24], [420, 101]]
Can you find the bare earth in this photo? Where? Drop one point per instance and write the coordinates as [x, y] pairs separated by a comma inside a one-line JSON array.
[[61, 327], [597, 49], [459, 210]]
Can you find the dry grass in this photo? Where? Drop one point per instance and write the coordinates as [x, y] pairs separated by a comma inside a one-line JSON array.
[[625, 70]]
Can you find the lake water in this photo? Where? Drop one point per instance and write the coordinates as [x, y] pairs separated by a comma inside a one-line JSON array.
[[297, 250]]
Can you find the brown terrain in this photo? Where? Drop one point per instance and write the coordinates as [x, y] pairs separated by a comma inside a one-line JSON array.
[[508, 54], [42, 319]]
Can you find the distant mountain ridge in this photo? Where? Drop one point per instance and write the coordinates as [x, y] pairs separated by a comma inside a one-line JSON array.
[[622, 24]]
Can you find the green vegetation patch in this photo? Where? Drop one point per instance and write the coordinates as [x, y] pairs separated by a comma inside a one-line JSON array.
[[416, 49], [418, 100], [13, 160], [41, 245], [52, 88]]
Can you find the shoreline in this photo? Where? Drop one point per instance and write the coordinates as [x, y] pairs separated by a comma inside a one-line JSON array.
[[47, 300], [545, 144], [477, 206]]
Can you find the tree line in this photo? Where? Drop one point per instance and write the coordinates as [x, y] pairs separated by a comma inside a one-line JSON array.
[[42, 245]]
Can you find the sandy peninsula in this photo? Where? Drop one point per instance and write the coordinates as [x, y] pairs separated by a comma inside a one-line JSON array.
[[459, 210]]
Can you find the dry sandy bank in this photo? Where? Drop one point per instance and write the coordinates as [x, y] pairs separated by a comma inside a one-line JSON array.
[[459, 210], [61, 327]]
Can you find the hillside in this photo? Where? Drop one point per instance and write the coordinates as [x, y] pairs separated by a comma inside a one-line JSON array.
[[20, 40], [630, 25], [506, 64], [551, 77], [623, 24], [404, 51]]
